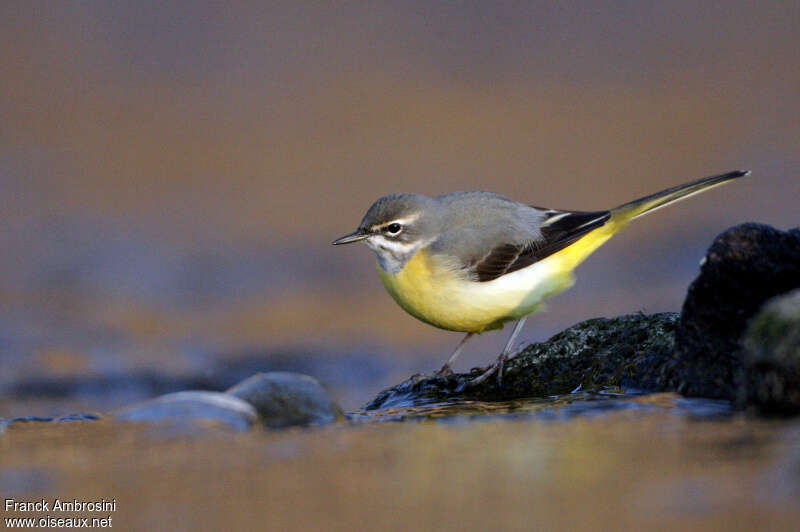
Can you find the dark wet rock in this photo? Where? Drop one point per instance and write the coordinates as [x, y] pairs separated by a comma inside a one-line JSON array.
[[772, 357], [46, 419], [60, 419], [79, 417], [744, 267], [192, 409], [628, 351], [33, 419], [284, 399]]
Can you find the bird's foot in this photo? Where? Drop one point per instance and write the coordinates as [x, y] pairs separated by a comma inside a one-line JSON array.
[[497, 367], [444, 371]]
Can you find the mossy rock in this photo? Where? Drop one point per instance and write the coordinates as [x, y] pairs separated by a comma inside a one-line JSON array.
[[772, 358], [629, 351]]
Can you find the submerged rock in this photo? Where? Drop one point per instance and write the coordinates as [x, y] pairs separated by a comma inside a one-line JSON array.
[[631, 351], [5, 422], [284, 399], [772, 357], [744, 267], [60, 419], [192, 409]]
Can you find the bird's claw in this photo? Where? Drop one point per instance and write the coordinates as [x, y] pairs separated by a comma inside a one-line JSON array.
[[445, 371], [497, 367]]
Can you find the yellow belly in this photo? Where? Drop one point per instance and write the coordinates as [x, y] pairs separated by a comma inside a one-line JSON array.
[[442, 298], [435, 293]]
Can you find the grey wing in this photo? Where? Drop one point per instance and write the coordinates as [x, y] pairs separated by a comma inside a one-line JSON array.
[[497, 254]]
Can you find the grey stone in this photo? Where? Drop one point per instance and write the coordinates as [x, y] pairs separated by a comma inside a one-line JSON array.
[[192, 409], [283, 399], [772, 357]]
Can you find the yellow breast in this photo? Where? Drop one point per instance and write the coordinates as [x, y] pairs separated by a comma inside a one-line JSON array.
[[425, 291]]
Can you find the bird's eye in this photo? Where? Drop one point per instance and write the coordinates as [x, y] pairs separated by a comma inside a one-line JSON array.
[[394, 228]]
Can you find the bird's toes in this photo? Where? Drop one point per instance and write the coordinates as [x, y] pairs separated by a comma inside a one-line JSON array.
[[444, 371], [485, 375]]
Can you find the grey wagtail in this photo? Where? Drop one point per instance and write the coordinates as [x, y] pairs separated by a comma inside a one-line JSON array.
[[472, 261]]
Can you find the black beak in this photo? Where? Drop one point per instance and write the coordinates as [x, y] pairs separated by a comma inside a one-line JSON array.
[[355, 236]]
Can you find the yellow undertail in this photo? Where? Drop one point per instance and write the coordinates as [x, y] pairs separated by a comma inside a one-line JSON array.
[[622, 215]]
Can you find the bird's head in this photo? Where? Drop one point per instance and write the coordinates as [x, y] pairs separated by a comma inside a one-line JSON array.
[[395, 227]]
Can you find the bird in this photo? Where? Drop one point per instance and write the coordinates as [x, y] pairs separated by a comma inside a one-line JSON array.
[[474, 261]]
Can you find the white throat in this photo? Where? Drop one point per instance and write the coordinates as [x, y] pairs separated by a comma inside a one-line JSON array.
[[392, 255]]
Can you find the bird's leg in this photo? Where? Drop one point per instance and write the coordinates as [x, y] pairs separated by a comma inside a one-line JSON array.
[[446, 369], [497, 367]]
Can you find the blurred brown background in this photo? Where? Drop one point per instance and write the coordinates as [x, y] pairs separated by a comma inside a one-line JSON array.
[[172, 174]]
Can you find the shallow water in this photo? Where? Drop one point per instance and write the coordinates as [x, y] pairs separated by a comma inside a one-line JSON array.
[[508, 466], [557, 408]]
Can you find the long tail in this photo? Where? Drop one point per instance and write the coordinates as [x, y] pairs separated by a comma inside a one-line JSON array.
[[576, 253], [633, 209]]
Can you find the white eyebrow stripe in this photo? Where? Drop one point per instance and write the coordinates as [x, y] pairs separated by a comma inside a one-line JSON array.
[[402, 221]]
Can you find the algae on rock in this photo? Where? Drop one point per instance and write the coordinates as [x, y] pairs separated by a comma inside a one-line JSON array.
[[772, 357]]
